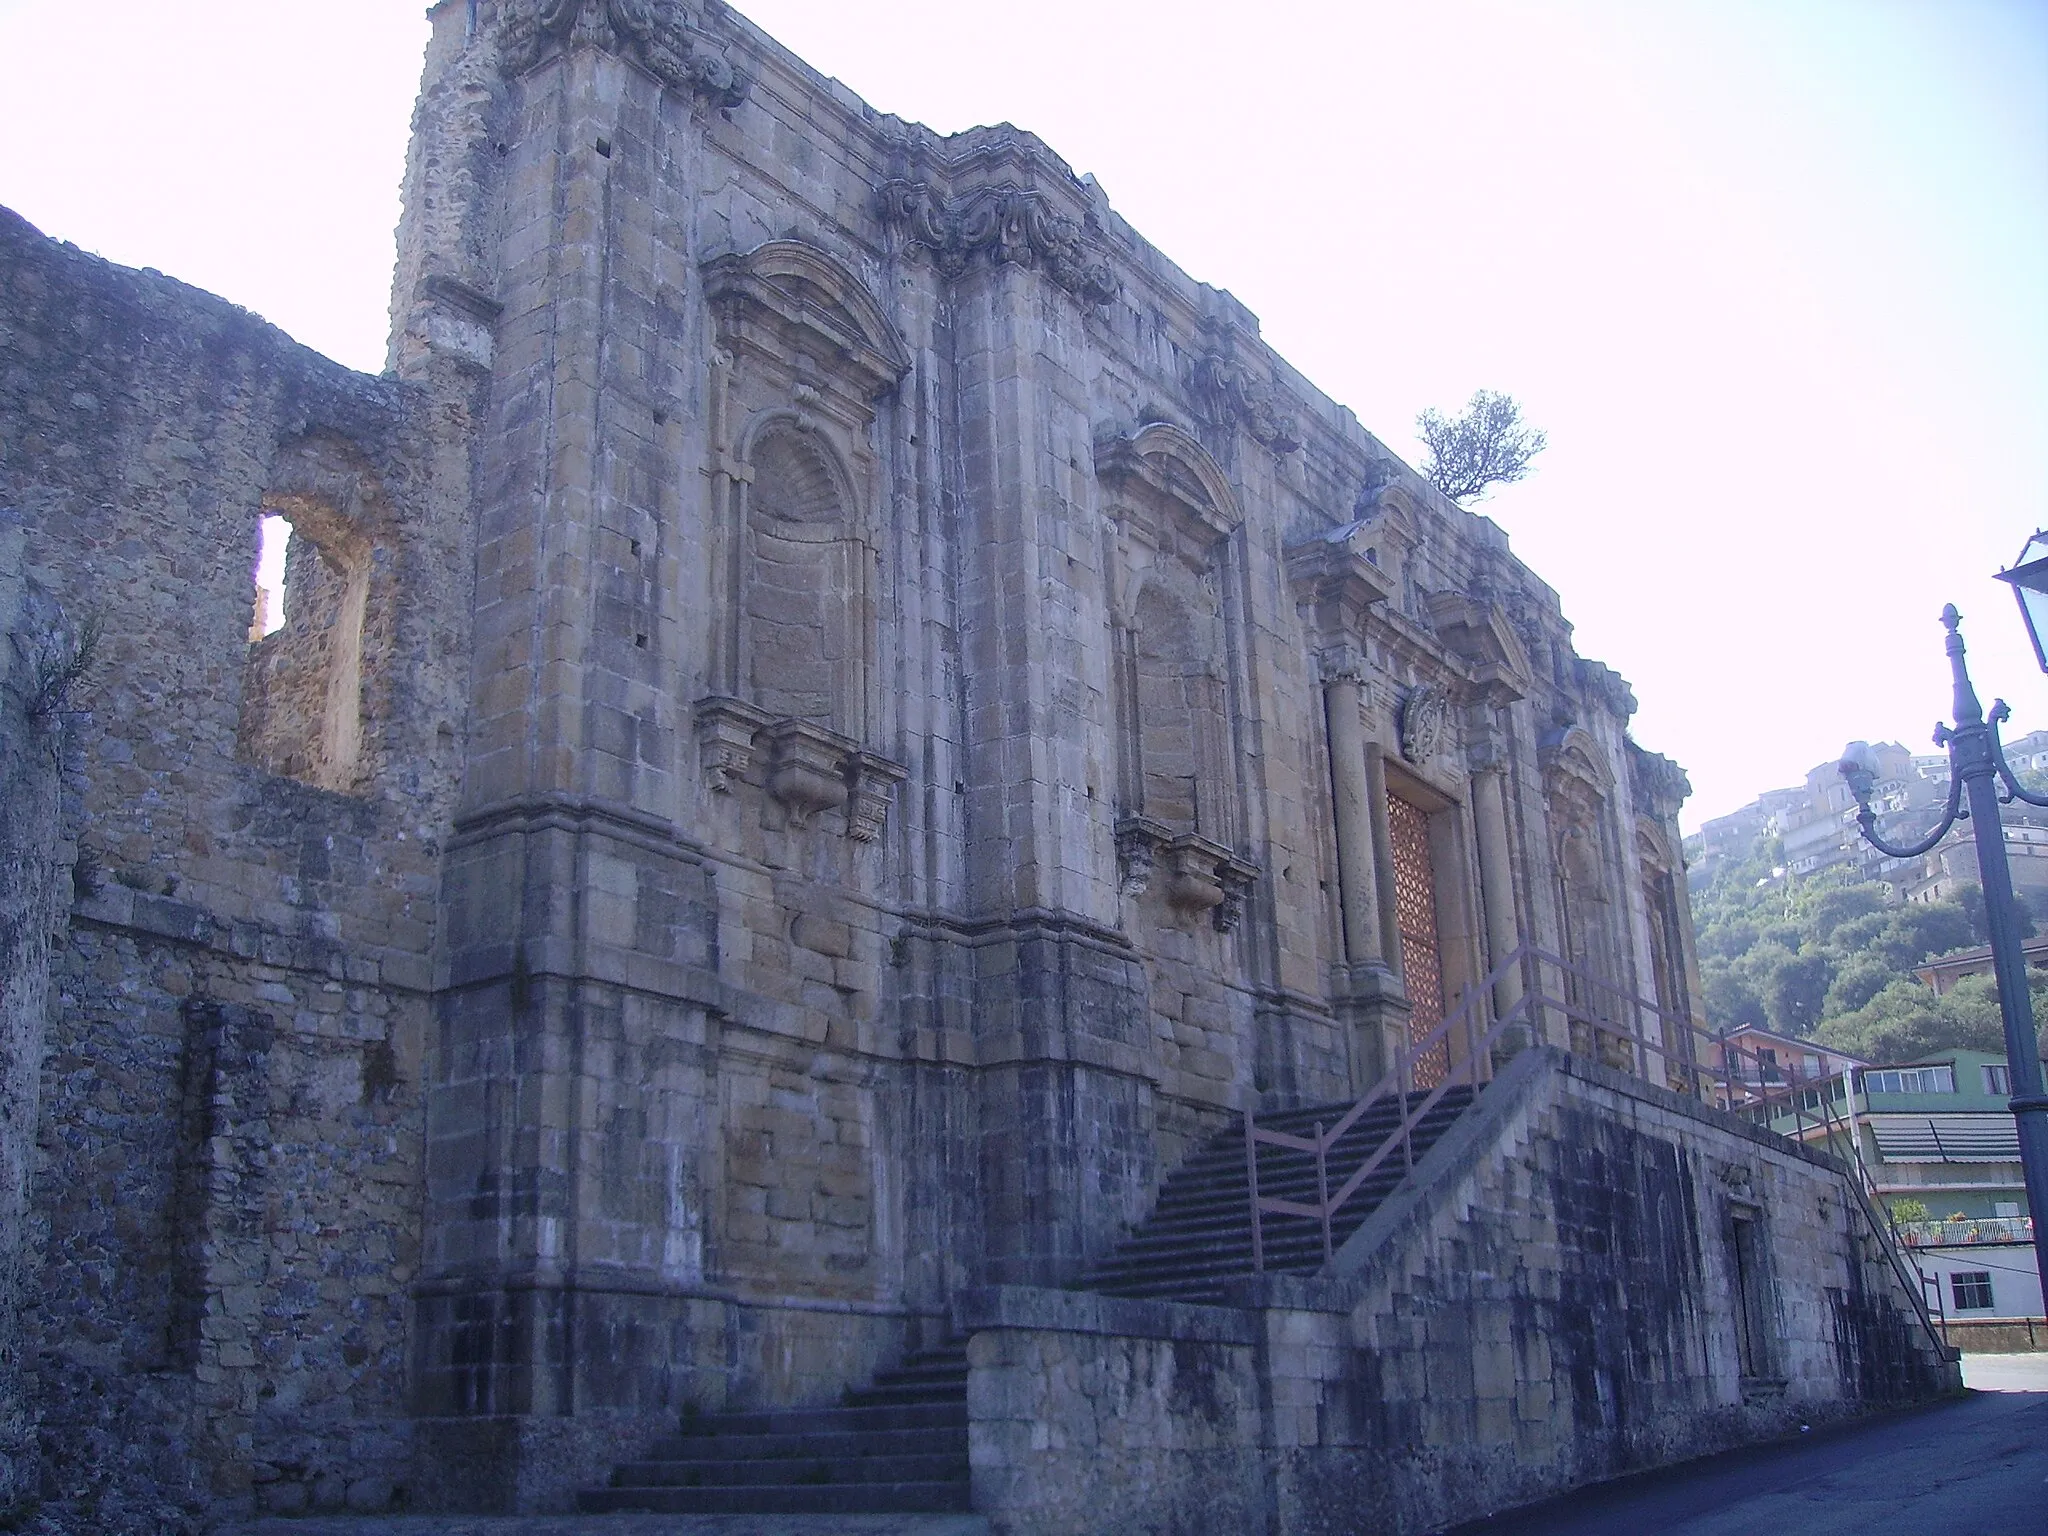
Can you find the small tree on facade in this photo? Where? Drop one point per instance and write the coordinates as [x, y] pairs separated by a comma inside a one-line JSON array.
[[1484, 445]]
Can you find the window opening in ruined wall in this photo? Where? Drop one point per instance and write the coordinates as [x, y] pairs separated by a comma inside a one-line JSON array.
[[1422, 968], [302, 685]]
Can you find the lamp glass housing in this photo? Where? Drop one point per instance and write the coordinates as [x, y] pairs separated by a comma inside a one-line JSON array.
[[2029, 581]]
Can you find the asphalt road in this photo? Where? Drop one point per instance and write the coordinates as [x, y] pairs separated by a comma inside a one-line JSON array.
[[1975, 1467]]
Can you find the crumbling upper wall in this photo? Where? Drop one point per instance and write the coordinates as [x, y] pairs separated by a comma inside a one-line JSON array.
[[230, 1117]]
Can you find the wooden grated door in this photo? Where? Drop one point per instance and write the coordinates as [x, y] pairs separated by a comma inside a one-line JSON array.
[[1415, 914]]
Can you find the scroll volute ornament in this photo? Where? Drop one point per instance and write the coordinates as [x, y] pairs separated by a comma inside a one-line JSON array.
[[659, 33], [1007, 223]]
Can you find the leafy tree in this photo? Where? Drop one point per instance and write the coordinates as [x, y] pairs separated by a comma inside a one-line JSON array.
[[1732, 1003], [1484, 445], [1906, 1020], [1856, 983], [1838, 904], [1795, 990], [1829, 958]]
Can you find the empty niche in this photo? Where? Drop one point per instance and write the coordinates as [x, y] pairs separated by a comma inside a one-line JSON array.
[[799, 586], [1180, 703], [302, 684]]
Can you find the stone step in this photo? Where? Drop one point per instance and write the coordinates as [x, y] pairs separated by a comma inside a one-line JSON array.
[[797, 1421], [615, 1525], [823, 1498], [810, 1466], [828, 1444], [896, 1446], [1199, 1235]]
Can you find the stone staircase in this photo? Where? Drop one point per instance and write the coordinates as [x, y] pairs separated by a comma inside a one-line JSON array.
[[899, 1445], [1198, 1237], [896, 1446]]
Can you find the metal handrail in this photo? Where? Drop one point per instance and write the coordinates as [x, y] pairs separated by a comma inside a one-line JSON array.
[[1676, 1047]]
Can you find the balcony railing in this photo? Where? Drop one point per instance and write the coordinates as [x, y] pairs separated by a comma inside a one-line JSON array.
[[1565, 1004], [1977, 1229]]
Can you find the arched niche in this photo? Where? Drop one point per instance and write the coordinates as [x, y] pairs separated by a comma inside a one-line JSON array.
[[1174, 528], [1578, 789], [804, 361], [799, 626]]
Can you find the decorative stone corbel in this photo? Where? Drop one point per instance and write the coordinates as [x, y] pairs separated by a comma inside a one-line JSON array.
[[1237, 876], [1138, 841], [807, 768], [726, 729], [1231, 395], [1004, 223], [874, 786], [1200, 876]]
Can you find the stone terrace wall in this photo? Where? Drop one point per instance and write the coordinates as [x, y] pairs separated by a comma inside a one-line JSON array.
[[228, 1199], [1551, 1300]]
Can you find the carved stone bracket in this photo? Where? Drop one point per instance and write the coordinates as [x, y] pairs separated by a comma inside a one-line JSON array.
[[807, 768], [1138, 841], [1200, 876], [658, 33], [1008, 223], [874, 786], [804, 767], [1231, 395], [726, 729]]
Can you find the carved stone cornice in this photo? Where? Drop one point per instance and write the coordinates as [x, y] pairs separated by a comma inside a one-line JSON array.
[[787, 297], [1006, 223], [1657, 784], [1479, 633], [1231, 395], [1334, 578], [1603, 685], [657, 33]]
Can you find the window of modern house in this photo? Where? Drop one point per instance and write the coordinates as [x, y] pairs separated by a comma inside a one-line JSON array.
[[1998, 1078], [2006, 1210], [1940, 1079], [1971, 1290]]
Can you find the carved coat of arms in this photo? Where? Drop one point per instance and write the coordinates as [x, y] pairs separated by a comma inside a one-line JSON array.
[[1424, 715]]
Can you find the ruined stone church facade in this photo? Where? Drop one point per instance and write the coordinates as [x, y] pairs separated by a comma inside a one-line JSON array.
[[836, 717]]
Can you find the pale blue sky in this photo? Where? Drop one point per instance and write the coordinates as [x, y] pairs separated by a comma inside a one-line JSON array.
[[1771, 275]]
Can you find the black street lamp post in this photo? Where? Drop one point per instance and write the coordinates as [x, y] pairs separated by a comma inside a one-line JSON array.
[[1979, 783]]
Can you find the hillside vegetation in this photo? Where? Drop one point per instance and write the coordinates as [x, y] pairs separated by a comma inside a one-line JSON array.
[[1830, 960]]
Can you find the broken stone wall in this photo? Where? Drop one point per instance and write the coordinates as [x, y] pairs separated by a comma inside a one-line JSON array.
[[39, 688], [229, 1182]]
